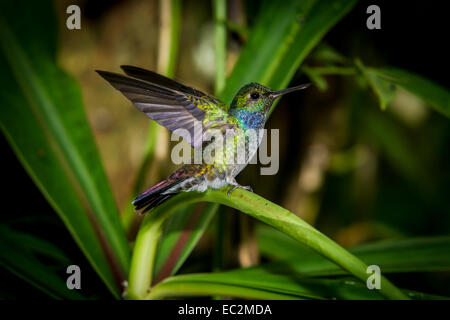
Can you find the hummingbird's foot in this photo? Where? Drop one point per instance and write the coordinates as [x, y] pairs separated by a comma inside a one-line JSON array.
[[232, 181], [248, 188]]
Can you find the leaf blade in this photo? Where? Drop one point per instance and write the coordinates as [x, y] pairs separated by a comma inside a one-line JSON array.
[[17, 255], [44, 122], [403, 255]]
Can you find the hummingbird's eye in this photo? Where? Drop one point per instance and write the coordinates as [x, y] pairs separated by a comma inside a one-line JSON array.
[[254, 95]]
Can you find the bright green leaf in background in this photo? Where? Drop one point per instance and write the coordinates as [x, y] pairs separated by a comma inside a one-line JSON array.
[[43, 119]]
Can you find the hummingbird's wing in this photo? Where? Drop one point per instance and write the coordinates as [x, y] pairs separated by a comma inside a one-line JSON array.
[[172, 104]]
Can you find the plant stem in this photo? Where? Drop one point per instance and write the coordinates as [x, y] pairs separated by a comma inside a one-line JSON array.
[[220, 33], [144, 252], [220, 37], [170, 12], [257, 207]]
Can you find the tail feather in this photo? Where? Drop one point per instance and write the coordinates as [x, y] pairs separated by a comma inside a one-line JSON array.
[[154, 196]]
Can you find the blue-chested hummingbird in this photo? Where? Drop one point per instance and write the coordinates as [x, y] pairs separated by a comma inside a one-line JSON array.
[[176, 106]]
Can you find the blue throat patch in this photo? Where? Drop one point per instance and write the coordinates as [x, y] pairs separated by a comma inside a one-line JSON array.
[[248, 119]]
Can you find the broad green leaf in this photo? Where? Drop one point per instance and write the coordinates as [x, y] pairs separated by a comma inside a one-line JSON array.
[[182, 233], [278, 246], [269, 39], [43, 119], [408, 255], [33, 244], [403, 255], [20, 254], [264, 284], [316, 22]]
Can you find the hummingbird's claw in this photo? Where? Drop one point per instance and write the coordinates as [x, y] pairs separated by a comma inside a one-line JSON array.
[[248, 188], [231, 190]]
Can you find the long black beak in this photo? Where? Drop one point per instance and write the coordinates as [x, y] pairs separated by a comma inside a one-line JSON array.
[[279, 93]]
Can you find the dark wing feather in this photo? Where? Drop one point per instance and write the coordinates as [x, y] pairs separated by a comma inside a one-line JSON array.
[[169, 107], [156, 78], [171, 103]]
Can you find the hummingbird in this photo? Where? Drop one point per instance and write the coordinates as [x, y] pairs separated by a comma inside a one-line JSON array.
[[176, 106]]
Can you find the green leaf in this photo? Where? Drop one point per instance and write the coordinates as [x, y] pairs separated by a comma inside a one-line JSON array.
[[276, 245], [241, 284], [269, 39], [394, 256], [408, 255], [383, 79], [43, 119], [264, 284], [317, 21], [383, 89], [184, 230], [33, 244], [328, 55], [437, 96], [20, 254], [316, 78]]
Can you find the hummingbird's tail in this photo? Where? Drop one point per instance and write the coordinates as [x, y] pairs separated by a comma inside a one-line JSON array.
[[157, 194]]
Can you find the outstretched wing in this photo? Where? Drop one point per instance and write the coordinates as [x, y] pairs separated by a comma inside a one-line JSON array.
[[171, 104]]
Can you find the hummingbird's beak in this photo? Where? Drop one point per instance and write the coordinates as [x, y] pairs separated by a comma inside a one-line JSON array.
[[279, 93]]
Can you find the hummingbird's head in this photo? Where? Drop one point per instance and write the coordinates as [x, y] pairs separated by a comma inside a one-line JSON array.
[[257, 99], [253, 97]]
